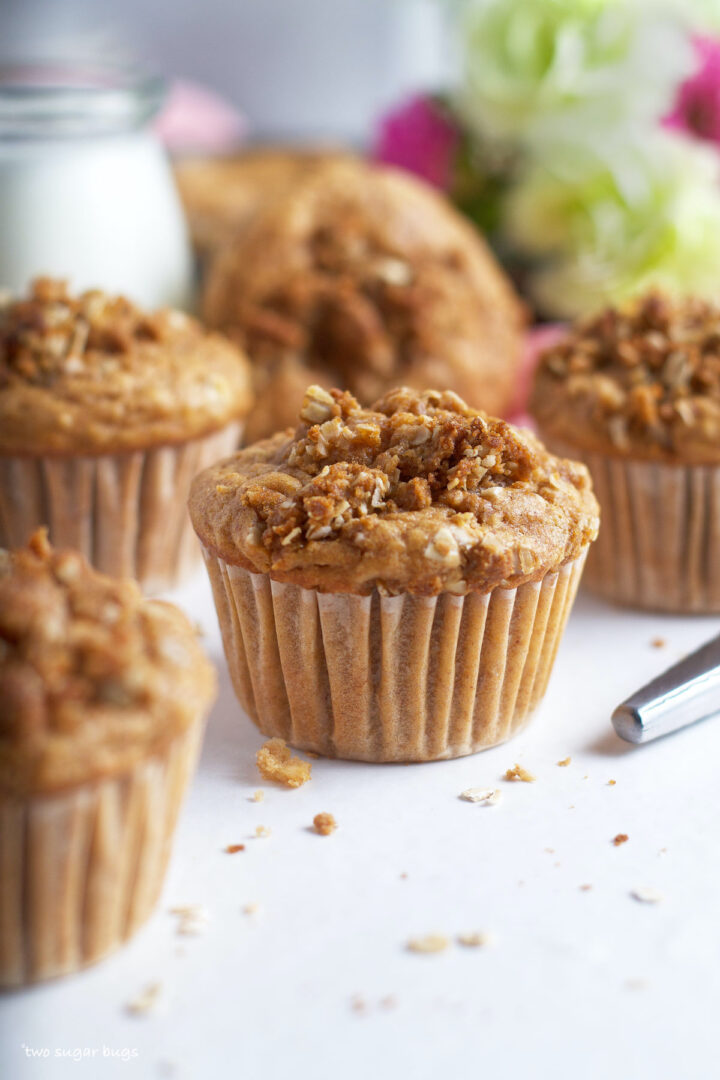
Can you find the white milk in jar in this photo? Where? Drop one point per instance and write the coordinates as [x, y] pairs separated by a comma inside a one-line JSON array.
[[86, 192]]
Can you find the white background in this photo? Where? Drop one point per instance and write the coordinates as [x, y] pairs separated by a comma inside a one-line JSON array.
[[577, 984]]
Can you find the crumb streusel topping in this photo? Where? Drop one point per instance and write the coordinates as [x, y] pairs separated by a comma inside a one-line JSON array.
[[418, 494], [641, 380], [93, 677], [95, 373]]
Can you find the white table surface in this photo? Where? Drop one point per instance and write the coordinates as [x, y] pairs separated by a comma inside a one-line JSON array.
[[318, 983]]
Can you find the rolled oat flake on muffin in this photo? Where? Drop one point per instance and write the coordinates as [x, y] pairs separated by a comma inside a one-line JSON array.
[[106, 413], [104, 696], [392, 582]]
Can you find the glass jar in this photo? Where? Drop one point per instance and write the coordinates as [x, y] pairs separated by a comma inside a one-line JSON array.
[[86, 191]]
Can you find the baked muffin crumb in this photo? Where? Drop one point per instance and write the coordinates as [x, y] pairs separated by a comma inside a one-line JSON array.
[[324, 824], [519, 773], [276, 762]]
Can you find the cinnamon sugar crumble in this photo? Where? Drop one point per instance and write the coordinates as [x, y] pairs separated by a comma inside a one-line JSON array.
[[565, 761], [519, 773], [621, 838], [276, 762], [49, 332], [324, 824], [644, 374], [232, 849], [411, 452]]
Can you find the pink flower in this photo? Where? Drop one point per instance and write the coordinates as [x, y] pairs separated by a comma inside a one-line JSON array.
[[195, 119], [418, 136], [697, 109]]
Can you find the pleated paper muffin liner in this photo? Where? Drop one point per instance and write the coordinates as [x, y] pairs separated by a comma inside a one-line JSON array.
[[127, 513], [81, 871], [398, 678], [659, 542]]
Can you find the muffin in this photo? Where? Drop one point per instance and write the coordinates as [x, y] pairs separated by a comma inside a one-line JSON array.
[[222, 194], [635, 393], [106, 414], [363, 277], [392, 584], [104, 697]]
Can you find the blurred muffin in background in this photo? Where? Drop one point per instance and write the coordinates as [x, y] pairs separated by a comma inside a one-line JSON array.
[[104, 698], [634, 393], [106, 414], [221, 194], [363, 277]]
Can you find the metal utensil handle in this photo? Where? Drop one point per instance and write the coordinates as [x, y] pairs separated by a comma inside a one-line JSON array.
[[687, 692]]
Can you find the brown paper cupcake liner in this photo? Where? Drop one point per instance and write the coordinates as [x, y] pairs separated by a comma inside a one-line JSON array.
[[400, 678], [659, 541], [127, 513], [81, 871]]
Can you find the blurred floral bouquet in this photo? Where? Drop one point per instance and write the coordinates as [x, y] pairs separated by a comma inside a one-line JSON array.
[[584, 137]]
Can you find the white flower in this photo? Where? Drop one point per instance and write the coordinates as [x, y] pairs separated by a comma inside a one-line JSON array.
[[535, 69], [609, 222]]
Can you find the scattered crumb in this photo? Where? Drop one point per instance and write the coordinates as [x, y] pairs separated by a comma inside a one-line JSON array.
[[145, 1001], [232, 849], [519, 773], [621, 838], [586, 777], [585, 888], [262, 831], [403, 876], [646, 896], [389, 1002], [192, 919], [572, 806], [486, 795], [662, 851], [549, 850], [251, 909], [358, 1004], [324, 824], [276, 762], [565, 761], [557, 864], [430, 943], [611, 783], [257, 796], [658, 643], [473, 939]]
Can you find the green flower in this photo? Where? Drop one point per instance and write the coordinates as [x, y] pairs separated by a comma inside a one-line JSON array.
[[535, 69], [604, 224]]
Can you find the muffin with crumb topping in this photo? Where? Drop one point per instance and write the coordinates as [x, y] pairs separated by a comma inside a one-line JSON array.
[[363, 277], [106, 413], [392, 583], [104, 696], [634, 392]]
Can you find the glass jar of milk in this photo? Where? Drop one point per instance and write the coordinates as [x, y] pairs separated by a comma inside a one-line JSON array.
[[86, 192]]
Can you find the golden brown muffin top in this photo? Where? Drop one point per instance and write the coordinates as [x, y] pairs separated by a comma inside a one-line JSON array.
[[642, 381], [93, 678], [364, 277], [95, 374], [221, 194], [419, 494]]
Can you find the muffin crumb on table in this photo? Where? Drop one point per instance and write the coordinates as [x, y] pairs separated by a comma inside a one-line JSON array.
[[517, 772], [324, 824], [276, 762]]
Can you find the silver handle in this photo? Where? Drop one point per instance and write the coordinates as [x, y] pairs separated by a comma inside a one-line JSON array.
[[687, 692]]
